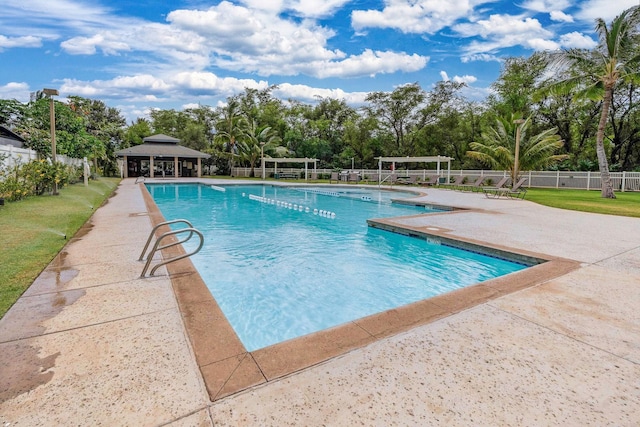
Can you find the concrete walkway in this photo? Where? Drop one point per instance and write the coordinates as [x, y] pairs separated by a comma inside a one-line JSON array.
[[90, 343]]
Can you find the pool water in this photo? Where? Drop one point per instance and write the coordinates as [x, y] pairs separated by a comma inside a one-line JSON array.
[[279, 270]]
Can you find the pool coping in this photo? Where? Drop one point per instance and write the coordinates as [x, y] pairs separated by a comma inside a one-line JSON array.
[[228, 368]]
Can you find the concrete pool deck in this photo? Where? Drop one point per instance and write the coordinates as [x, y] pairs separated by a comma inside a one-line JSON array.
[[91, 343]]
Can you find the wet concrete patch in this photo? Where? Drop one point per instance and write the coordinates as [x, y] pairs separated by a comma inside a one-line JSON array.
[[27, 316], [22, 369]]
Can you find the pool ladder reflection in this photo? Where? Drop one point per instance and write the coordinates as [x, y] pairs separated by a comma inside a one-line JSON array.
[[172, 242]]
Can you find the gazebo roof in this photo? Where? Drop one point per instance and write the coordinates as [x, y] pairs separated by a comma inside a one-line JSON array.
[[161, 138], [161, 146]]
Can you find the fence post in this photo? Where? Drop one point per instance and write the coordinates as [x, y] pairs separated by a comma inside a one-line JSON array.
[[588, 180], [558, 179], [624, 180], [529, 185]]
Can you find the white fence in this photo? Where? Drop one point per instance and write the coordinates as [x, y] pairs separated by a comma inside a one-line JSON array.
[[16, 155], [622, 181]]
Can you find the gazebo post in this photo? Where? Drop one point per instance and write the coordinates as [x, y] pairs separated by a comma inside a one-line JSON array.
[[151, 167], [199, 167], [175, 166], [125, 169]]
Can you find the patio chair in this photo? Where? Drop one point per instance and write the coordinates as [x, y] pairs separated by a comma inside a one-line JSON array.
[[353, 177], [429, 180], [411, 180], [499, 185], [335, 176], [456, 183], [472, 187], [516, 192]]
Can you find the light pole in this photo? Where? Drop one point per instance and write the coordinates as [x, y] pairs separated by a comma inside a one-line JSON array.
[[352, 164], [516, 161], [262, 157], [52, 120]]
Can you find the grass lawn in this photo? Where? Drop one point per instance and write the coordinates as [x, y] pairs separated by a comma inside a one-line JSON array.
[[625, 204], [32, 230]]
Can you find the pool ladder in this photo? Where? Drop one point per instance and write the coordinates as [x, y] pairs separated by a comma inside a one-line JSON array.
[[156, 247]]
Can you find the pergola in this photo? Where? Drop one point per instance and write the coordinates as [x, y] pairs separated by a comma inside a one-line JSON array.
[[408, 159], [278, 160]]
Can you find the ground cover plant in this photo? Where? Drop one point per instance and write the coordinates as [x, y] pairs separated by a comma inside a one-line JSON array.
[[625, 204], [32, 232]]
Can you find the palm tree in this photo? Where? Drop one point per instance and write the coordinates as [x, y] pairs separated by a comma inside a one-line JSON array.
[[497, 148], [230, 129], [596, 73], [258, 140]]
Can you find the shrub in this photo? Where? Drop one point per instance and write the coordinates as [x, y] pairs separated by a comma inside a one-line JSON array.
[[34, 178]]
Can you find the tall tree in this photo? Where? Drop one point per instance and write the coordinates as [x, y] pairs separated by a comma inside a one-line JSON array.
[[396, 112], [615, 60], [231, 128]]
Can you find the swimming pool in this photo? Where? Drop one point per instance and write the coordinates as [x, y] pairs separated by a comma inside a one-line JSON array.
[[278, 272]]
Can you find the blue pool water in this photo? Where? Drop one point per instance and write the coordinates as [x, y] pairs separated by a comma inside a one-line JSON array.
[[279, 273]]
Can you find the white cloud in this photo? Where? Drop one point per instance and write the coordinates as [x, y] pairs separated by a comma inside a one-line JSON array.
[[15, 90], [485, 57], [368, 63], [25, 41], [251, 41], [502, 31], [541, 44], [458, 79], [546, 5], [315, 8], [418, 16], [559, 16], [590, 10], [89, 45], [311, 94], [577, 40]]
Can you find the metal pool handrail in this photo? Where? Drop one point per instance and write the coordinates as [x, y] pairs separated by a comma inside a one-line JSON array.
[[157, 247]]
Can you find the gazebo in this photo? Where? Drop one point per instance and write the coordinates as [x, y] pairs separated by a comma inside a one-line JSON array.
[[161, 155], [429, 159]]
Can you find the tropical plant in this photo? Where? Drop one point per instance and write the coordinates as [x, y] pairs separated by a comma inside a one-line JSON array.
[[597, 73], [257, 142], [231, 128], [498, 145]]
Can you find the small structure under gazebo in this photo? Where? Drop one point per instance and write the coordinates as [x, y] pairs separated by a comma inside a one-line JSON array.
[[278, 160], [161, 156], [429, 159]]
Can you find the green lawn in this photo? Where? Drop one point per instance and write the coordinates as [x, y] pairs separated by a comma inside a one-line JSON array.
[[32, 232], [625, 204]]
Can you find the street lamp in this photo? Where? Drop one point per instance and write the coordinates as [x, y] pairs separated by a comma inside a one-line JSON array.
[[262, 157], [352, 164], [516, 165], [52, 120]]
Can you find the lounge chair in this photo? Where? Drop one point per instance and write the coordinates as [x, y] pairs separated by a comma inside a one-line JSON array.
[[335, 176], [353, 177], [411, 180], [472, 187], [429, 180], [455, 184], [500, 184], [516, 192]]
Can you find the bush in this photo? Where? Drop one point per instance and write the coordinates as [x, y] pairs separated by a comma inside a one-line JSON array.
[[34, 178]]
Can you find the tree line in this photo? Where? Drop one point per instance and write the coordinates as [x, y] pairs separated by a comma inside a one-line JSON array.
[[577, 109]]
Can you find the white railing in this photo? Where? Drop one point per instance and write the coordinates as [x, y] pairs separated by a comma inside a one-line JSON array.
[[622, 181]]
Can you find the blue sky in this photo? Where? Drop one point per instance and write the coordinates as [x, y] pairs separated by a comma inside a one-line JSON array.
[[141, 54]]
